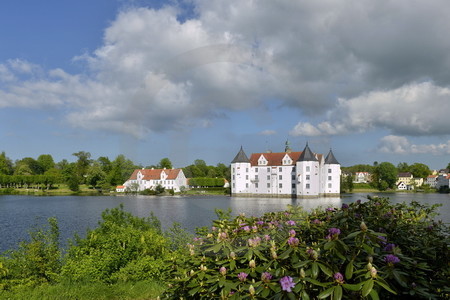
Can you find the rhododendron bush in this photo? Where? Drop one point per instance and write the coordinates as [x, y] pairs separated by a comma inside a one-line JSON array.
[[365, 250]]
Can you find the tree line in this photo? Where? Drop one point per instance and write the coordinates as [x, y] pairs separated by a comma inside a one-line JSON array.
[[101, 173], [384, 175]]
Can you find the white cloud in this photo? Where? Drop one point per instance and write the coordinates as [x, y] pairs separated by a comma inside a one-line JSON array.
[[414, 109], [401, 145], [154, 72]]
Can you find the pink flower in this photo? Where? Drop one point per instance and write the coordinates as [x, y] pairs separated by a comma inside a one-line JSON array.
[[242, 276], [287, 283]]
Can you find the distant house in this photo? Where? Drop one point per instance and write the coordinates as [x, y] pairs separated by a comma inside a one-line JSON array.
[[362, 177], [407, 178], [443, 180], [121, 188], [402, 186], [143, 179], [431, 180]]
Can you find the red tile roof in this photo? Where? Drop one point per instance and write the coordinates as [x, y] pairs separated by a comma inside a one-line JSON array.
[[276, 159], [155, 174]]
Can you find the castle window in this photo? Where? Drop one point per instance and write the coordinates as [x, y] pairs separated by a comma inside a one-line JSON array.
[[293, 176], [329, 185], [280, 169], [308, 168], [293, 185], [280, 177], [256, 170], [329, 170], [280, 185], [307, 185], [268, 169], [329, 177], [268, 185], [268, 177], [246, 177], [256, 185], [307, 177], [246, 185]]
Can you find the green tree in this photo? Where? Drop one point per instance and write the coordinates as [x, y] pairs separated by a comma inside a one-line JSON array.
[[121, 170], [95, 175], [165, 163], [6, 165], [83, 162], [46, 162], [105, 164], [33, 166], [403, 167], [385, 176], [420, 170]]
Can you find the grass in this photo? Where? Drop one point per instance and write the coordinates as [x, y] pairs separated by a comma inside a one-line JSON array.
[[57, 190], [98, 291]]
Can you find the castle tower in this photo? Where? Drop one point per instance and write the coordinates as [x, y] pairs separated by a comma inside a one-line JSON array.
[[240, 173], [331, 176], [308, 174]]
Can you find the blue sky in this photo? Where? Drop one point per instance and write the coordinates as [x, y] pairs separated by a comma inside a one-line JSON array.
[[197, 79]]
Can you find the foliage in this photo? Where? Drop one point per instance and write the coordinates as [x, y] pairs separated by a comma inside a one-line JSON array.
[[120, 247], [206, 182], [364, 250], [384, 176], [36, 261]]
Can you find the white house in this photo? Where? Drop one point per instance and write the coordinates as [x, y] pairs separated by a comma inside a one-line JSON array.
[[286, 174], [443, 180], [362, 177], [143, 179], [431, 180]]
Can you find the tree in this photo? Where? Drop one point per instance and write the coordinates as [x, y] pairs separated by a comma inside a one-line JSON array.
[[6, 165], [95, 175], [165, 163], [403, 167], [385, 176], [30, 164], [83, 162], [420, 170], [46, 162], [105, 164], [121, 170]]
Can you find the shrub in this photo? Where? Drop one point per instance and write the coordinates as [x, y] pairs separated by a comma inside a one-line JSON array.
[[372, 249]]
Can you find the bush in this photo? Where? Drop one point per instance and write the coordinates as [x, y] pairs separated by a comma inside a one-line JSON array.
[[117, 246], [372, 249]]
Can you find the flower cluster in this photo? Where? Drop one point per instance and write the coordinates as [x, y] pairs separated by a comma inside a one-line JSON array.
[[287, 283], [391, 259]]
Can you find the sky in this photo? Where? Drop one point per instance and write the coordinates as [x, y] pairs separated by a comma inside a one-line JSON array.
[[198, 79]]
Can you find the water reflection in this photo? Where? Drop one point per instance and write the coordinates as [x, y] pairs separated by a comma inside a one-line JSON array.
[[18, 214]]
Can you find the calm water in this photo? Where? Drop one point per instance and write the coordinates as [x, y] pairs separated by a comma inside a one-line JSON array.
[[18, 214]]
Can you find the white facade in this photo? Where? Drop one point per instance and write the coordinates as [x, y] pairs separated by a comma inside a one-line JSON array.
[[286, 174], [431, 181], [143, 179]]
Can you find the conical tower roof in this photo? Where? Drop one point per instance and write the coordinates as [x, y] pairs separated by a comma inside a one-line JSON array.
[[241, 157], [330, 159], [307, 155]]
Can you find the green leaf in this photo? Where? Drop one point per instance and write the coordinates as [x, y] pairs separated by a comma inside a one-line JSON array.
[[374, 295], [352, 287], [353, 234], [385, 286], [349, 270], [285, 254], [325, 269], [368, 249], [301, 264], [367, 287], [329, 245], [337, 294], [265, 292], [399, 278], [314, 270], [326, 293], [304, 295], [194, 291]]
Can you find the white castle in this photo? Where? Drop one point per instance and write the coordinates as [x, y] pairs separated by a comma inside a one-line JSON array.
[[286, 174]]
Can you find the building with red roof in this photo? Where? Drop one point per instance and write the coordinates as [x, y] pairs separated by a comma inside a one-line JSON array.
[[143, 179]]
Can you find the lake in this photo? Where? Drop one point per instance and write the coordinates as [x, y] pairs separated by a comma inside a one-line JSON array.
[[19, 213]]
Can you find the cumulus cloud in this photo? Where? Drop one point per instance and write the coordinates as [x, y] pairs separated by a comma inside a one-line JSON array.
[[401, 145], [417, 109], [363, 64]]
